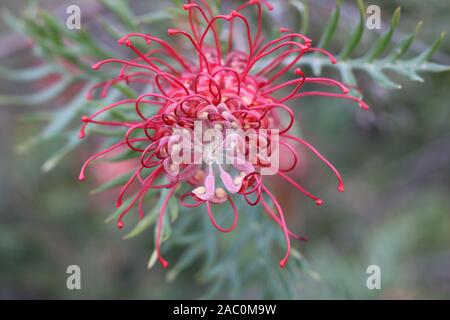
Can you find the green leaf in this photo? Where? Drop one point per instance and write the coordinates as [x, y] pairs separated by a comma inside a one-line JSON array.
[[347, 75], [433, 67], [183, 262], [125, 90], [152, 260], [303, 9], [381, 78], [166, 227], [409, 73], [70, 145], [12, 21], [66, 114], [172, 207], [372, 63], [303, 264], [118, 115], [405, 44], [143, 224], [111, 29], [123, 12], [428, 54], [120, 209], [52, 27]]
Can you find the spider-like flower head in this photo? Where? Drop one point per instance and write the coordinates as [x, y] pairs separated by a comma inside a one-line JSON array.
[[213, 125]]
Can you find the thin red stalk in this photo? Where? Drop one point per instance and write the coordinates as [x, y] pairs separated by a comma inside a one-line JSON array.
[[169, 195], [321, 157], [216, 38], [284, 260]]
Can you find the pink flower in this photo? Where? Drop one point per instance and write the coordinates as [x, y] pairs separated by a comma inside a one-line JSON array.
[[239, 96]]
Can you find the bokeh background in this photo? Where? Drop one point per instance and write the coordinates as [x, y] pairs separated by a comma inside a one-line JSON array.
[[395, 212]]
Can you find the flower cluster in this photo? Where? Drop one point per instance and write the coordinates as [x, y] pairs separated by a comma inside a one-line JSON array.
[[239, 93]]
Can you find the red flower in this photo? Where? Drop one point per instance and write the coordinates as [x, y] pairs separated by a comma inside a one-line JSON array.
[[238, 96]]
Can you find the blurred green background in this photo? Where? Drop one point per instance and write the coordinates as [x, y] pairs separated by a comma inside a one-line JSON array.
[[395, 212]]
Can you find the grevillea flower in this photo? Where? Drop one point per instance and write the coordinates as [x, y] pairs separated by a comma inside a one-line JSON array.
[[239, 93]]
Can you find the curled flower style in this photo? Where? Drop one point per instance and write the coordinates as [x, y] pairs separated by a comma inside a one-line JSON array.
[[236, 98]]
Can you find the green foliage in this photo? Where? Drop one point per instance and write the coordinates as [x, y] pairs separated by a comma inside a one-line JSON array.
[[229, 264], [68, 56]]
